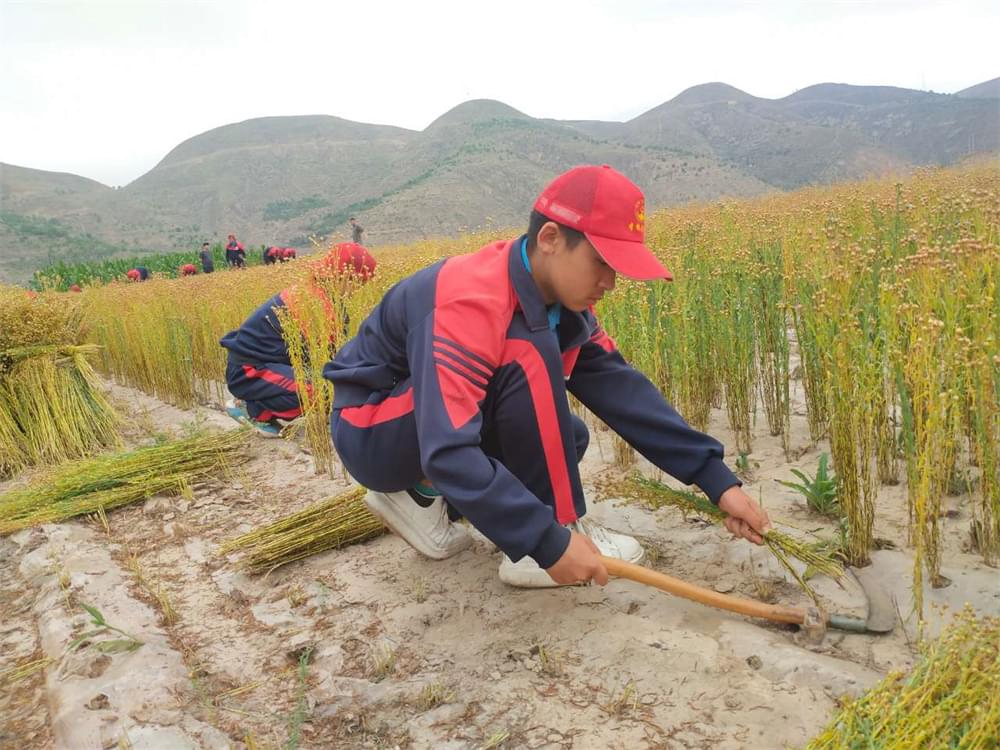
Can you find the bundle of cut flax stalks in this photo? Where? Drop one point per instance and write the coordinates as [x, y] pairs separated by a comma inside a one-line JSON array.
[[111, 480], [783, 546], [335, 522], [52, 407]]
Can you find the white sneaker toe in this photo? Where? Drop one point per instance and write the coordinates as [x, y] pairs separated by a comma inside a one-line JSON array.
[[525, 573]]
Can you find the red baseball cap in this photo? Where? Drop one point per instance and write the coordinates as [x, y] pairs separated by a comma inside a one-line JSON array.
[[350, 257], [610, 210]]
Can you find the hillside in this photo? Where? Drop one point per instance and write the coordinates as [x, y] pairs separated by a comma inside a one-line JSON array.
[[47, 215], [985, 90], [283, 179]]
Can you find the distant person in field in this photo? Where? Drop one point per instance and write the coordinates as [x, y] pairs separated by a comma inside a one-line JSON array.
[[453, 399], [235, 254], [188, 269], [75, 288], [259, 370], [287, 254], [139, 273], [271, 255], [207, 261], [356, 231]]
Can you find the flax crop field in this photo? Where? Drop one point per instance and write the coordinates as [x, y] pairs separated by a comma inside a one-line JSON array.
[[867, 314]]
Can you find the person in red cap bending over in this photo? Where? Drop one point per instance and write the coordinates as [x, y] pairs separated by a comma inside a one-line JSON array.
[[188, 269], [139, 273], [287, 254], [452, 400], [259, 370], [272, 255]]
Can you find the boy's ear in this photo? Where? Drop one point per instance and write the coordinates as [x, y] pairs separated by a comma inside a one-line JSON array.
[[548, 235]]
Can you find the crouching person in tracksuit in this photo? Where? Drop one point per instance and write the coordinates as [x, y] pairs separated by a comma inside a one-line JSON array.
[[259, 370], [452, 398]]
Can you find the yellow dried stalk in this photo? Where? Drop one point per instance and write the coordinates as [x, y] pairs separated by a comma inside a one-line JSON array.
[[52, 408], [950, 699], [116, 479], [333, 523], [310, 324]]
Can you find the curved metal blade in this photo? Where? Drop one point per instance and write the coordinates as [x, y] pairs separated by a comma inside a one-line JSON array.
[[881, 612]]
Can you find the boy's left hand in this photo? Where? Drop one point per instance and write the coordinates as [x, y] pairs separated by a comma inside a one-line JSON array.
[[744, 517]]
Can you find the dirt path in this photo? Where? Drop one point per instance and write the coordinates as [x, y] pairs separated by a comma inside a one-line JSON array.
[[407, 652]]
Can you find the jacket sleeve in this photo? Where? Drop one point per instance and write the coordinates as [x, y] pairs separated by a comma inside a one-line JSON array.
[[451, 363], [633, 407]]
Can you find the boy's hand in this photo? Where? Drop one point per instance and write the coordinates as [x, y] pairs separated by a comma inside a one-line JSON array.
[[745, 518], [580, 563]]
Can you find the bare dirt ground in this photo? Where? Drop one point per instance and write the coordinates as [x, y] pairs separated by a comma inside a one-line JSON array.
[[373, 646]]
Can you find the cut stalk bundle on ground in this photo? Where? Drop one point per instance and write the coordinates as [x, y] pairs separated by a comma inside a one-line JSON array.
[[951, 699], [655, 495], [53, 407], [116, 479], [333, 523]]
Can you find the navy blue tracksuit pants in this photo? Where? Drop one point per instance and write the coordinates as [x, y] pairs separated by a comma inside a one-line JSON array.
[[385, 456], [269, 390]]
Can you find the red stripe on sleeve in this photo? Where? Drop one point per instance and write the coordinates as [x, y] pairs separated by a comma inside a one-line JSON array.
[[369, 415], [569, 358], [603, 340]]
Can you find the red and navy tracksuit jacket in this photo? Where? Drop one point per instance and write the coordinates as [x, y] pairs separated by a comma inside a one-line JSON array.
[[462, 351], [259, 370]]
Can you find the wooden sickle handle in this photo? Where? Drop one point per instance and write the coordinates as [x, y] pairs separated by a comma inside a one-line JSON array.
[[677, 587]]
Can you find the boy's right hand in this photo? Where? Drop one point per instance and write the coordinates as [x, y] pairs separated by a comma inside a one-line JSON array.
[[580, 563]]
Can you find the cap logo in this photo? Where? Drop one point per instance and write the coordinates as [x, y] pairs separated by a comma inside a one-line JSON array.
[[638, 223]]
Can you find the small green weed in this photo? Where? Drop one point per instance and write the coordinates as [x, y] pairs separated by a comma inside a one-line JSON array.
[[113, 646], [743, 463], [820, 491], [298, 716]]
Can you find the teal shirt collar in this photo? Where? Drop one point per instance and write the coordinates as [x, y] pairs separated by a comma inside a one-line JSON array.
[[554, 310]]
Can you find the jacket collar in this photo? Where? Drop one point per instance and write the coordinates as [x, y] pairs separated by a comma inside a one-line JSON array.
[[529, 296], [573, 327]]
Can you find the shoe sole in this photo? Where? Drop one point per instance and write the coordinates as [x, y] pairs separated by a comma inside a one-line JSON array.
[[533, 583], [267, 435], [425, 547], [263, 433]]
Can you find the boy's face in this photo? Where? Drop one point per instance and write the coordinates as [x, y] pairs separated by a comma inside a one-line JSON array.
[[578, 277]]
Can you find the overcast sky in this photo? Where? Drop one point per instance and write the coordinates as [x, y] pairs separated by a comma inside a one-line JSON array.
[[106, 89]]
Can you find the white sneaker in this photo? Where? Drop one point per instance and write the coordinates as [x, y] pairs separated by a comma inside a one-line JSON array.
[[428, 530], [526, 574]]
